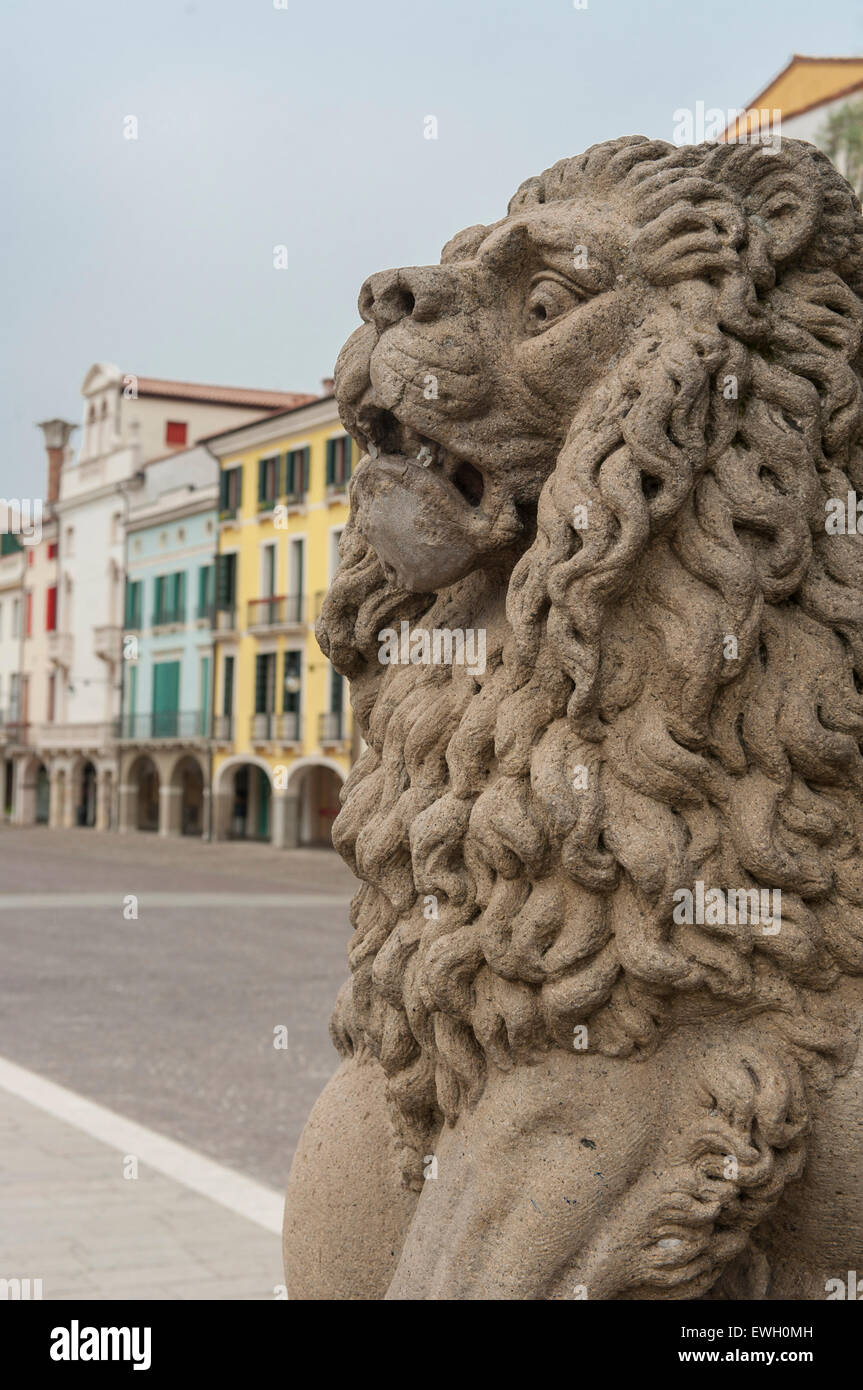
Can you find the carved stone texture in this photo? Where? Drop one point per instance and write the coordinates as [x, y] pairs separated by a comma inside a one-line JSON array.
[[584, 1054]]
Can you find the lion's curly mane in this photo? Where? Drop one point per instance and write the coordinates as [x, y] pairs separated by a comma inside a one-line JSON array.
[[705, 460]]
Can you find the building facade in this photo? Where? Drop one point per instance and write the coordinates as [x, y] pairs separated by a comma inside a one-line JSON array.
[[805, 94], [283, 732], [164, 727], [127, 422], [13, 559]]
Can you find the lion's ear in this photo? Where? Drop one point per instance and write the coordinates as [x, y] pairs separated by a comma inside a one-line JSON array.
[[783, 199]]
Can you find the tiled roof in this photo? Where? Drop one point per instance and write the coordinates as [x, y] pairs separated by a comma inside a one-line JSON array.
[[221, 395], [803, 84]]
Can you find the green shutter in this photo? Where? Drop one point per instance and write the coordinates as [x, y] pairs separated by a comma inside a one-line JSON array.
[[158, 584], [331, 462], [181, 597], [348, 455], [133, 697], [260, 683], [225, 574], [166, 698], [223, 490], [290, 472], [228, 686], [205, 695], [261, 478], [336, 691]]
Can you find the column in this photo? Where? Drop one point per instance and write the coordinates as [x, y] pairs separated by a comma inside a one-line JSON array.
[[170, 809], [286, 820], [128, 813]]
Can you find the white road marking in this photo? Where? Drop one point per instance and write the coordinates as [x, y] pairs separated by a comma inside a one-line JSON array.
[[257, 1203], [147, 899]]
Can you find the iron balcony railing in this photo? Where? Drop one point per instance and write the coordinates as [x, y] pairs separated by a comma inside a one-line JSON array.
[[163, 724], [331, 726], [268, 727], [281, 610]]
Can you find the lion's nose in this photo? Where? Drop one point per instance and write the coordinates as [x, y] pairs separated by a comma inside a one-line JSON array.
[[420, 292]]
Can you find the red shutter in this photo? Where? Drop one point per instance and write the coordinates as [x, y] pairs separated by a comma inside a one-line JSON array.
[[175, 432], [51, 610]]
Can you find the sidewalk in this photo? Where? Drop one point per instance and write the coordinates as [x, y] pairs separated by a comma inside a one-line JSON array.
[[69, 1217]]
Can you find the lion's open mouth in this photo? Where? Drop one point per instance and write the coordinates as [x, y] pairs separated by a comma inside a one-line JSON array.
[[382, 433]]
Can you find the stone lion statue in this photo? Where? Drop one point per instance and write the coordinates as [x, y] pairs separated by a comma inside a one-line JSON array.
[[605, 433]]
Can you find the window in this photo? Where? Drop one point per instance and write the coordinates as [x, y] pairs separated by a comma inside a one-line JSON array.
[[206, 586], [291, 682], [226, 582], [204, 695], [52, 550], [52, 697], [16, 617], [230, 481], [228, 687], [338, 462], [337, 691], [296, 472], [169, 598], [166, 698], [268, 481], [268, 571], [29, 628], [134, 603], [175, 431], [51, 609], [265, 682]]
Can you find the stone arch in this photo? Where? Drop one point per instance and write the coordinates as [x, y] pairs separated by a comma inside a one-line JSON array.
[[33, 792], [188, 786], [143, 778], [243, 793], [85, 783], [315, 783]]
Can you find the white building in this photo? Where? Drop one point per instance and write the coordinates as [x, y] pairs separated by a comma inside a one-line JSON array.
[[804, 94], [13, 558]]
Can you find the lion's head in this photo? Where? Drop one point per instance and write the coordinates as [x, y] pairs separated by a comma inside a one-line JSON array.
[[604, 431]]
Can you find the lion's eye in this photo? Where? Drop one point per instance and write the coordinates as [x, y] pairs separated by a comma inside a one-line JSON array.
[[548, 299]]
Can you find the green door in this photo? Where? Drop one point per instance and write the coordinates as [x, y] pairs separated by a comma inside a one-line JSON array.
[[166, 696]]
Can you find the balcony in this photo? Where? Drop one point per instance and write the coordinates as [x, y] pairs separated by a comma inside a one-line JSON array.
[[223, 728], [12, 729], [332, 728], [225, 620], [76, 736], [108, 642], [281, 611], [59, 645], [162, 724], [275, 728]]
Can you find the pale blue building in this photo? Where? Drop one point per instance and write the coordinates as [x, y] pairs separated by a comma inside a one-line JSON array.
[[165, 724]]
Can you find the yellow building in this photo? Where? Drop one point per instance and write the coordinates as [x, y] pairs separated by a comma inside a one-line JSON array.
[[283, 734], [800, 102]]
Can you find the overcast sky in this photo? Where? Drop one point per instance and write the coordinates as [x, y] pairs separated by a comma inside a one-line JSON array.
[[261, 126]]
